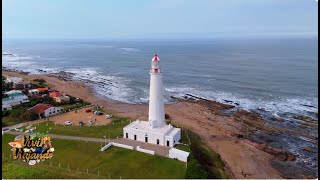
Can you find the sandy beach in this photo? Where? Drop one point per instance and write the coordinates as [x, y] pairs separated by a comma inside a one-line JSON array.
[[226, 134]]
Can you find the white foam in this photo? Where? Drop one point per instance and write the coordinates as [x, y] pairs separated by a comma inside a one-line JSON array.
[[129, 50], [282, 105], [113, 87]]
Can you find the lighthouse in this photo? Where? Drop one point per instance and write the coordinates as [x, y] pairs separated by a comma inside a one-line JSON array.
[[156, 103], [154, 130]]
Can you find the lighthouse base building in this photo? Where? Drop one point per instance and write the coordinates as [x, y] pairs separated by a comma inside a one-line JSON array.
[[166, 135], [155, 130]]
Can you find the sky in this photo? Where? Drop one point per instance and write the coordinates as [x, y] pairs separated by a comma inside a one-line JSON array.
[[157, 18]]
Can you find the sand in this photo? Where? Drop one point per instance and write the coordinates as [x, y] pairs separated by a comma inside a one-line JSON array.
[[80, 115], [242, 158]]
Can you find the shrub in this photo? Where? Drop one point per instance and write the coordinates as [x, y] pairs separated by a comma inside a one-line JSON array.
[[27, 116], [40, 80], [16, 112], [195, 171], [5, 113]]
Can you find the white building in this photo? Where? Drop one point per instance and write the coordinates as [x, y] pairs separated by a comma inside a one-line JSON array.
[[178, 154], [6, 107], [14, 80], [46, 110], [33, 91], [15, 97], [18, 82], [154, 131]]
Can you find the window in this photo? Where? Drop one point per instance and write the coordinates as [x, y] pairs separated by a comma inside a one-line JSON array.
[[126, 135], [49, 112], [157, 141], [57, 110], [54, 112], [135, 137]]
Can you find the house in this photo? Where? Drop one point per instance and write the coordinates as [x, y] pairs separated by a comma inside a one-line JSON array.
[[14, 97], [18, 82], [6, 107], [43, 90], [46, 110], [59, 97], [33, 91]]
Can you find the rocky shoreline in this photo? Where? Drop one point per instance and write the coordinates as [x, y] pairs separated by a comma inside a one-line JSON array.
[[256, 131]]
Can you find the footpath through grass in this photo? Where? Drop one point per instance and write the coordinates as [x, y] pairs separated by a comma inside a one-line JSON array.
[[115, 129], [80, 156]]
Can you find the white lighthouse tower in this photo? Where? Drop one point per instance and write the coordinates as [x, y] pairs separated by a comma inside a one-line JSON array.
[[155, 130], [156, 104]]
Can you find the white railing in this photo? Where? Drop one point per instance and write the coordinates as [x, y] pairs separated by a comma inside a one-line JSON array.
[[145, 150]]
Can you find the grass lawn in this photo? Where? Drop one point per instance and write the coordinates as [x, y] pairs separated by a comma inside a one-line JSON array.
[[115, 129], [113, 163]]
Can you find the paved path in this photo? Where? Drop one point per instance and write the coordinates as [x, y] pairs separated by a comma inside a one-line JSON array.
[[23, 124], [159, 150]]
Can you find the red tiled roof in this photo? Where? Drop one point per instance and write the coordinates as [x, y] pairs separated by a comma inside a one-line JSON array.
[[55, 94], [43, 89], [40, 108]]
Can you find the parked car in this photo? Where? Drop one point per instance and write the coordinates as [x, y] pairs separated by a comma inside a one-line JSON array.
[[68, 123], [81, 123], [88, 110], [109, 116], [98, 113], [91, 122]]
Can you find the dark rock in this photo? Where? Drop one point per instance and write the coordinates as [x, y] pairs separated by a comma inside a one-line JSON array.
[[227, 101], [308, 149], [308, 105]]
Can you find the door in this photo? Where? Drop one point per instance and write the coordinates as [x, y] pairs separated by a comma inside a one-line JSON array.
[[157, 141], [146, 139], [126, 135], [135, 137], [168, 143]]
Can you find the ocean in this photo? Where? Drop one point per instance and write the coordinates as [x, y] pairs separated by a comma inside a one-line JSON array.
[[277, 74]]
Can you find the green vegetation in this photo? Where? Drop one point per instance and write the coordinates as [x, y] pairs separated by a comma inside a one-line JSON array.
[[6, 86], [75, 105], [39, 83], [98, 108], [19, 113], [115, 129], [112, 163], [183, 147], [202, 162]]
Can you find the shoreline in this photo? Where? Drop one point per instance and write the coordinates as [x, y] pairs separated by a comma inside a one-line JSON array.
[[227, 133]]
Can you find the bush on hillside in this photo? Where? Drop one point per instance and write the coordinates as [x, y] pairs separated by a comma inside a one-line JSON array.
[[195, 171]]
